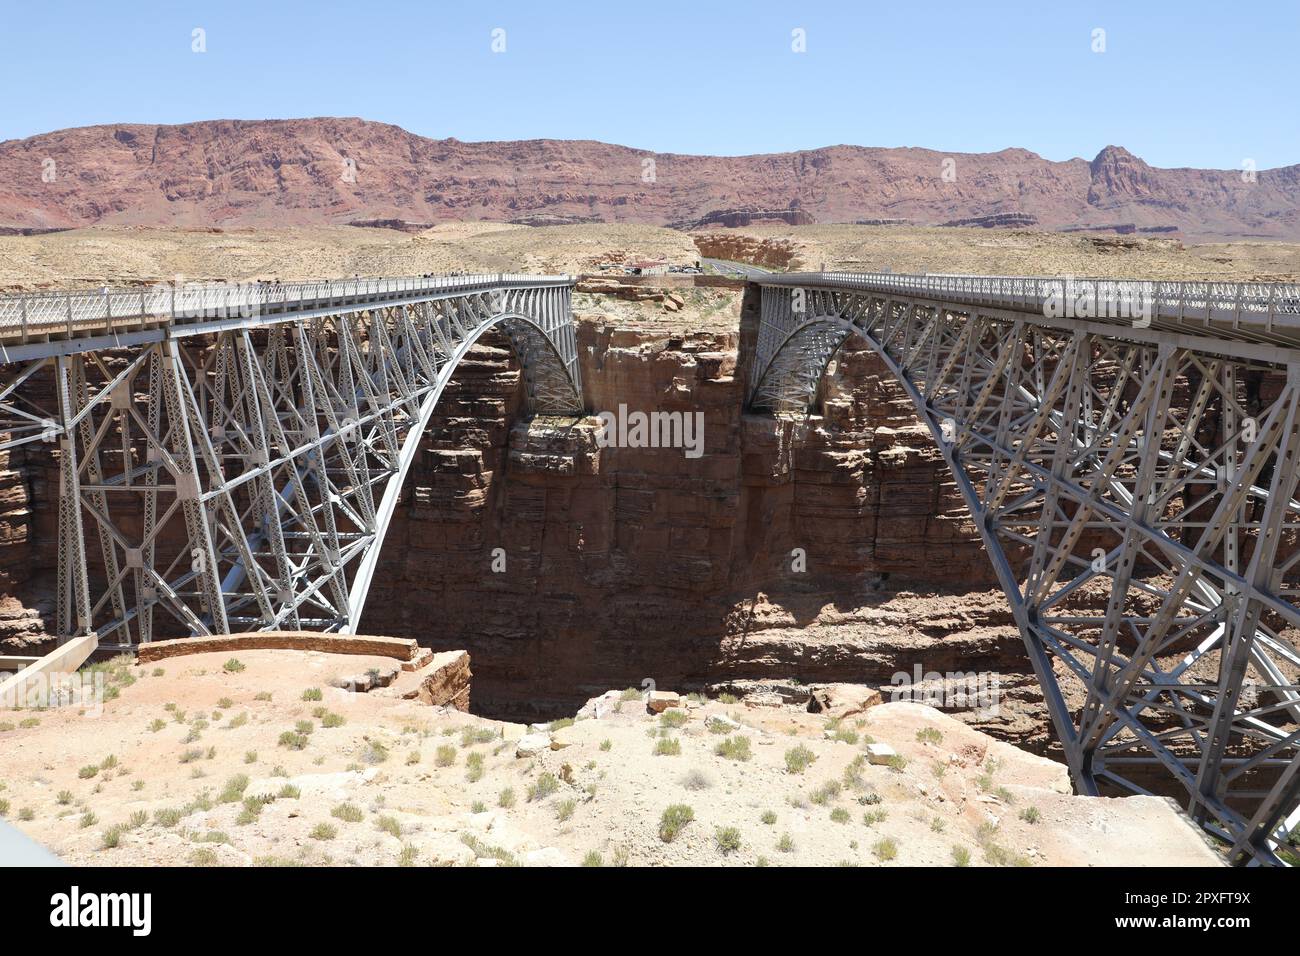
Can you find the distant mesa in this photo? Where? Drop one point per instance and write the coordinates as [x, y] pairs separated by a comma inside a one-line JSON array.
[[1001, 220], [348, 171], [736, 218]]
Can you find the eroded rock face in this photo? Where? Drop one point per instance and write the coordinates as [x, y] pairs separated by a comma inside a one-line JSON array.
[[836, 550], [275, 173], [772, 252], [618, 564]]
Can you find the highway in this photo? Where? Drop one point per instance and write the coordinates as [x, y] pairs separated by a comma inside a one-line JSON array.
[[741, 269]]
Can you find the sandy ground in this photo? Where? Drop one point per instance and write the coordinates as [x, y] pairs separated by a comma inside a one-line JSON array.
[[196, 763], [122, 256], [918, 249]]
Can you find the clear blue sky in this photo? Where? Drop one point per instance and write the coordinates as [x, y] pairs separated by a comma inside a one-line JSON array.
[[1187, 83]]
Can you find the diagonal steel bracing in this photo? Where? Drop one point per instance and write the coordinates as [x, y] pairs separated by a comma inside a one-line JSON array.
[[231, 460], [1133, 475]]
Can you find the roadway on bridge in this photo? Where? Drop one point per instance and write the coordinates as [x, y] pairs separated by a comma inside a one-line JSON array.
[[742, 269]]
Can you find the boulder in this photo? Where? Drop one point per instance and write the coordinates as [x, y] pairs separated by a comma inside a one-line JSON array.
[[530, 745], [880, 754], [661, 700], [842, 700]]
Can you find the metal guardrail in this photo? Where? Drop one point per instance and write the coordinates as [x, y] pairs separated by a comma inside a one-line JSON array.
[[40, 315], [1256, 304]]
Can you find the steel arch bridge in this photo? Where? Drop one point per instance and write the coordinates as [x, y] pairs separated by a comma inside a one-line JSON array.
[[230, 457], [1128, 452]]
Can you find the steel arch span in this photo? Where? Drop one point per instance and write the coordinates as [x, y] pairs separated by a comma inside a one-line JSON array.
[[1134, 482], [230, 458]]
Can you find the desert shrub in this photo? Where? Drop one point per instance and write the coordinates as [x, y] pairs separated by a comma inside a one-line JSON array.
[[672, 821], [293, 740], [546, 785], [674, 718], [798, 758], [233, 666], [827, 792], [768, 817], [696, 779], [374, 752], [506, 798], [469, 736], [886, 849], [564, 809], [734, 748], [727, 840], [233, 791], [348, 813], [445, 756], [474, 767], [167, 816], [667, 747]]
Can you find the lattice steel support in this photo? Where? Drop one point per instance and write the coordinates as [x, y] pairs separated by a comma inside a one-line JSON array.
[[242, 474], [1136, 492]]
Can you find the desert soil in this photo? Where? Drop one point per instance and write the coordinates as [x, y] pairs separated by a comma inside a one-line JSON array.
[[196, 762], [124, 255]]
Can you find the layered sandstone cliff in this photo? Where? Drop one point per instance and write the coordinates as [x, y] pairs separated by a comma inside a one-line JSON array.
[[237, 173], [785, 554]]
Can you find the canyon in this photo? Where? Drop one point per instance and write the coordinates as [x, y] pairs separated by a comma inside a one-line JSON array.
[[231, 174], [787, 555]]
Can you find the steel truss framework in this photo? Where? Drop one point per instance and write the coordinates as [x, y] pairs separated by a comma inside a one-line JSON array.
[[239, 473], [1135, 488]]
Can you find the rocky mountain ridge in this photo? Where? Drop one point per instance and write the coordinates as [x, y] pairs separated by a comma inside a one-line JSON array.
[[256, 174]]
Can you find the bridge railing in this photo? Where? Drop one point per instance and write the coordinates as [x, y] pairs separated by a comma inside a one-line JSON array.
[[40, 315], [1268, 305]]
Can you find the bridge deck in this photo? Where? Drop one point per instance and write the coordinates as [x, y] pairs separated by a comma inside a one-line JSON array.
[[45, 323], [1255, 313]]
